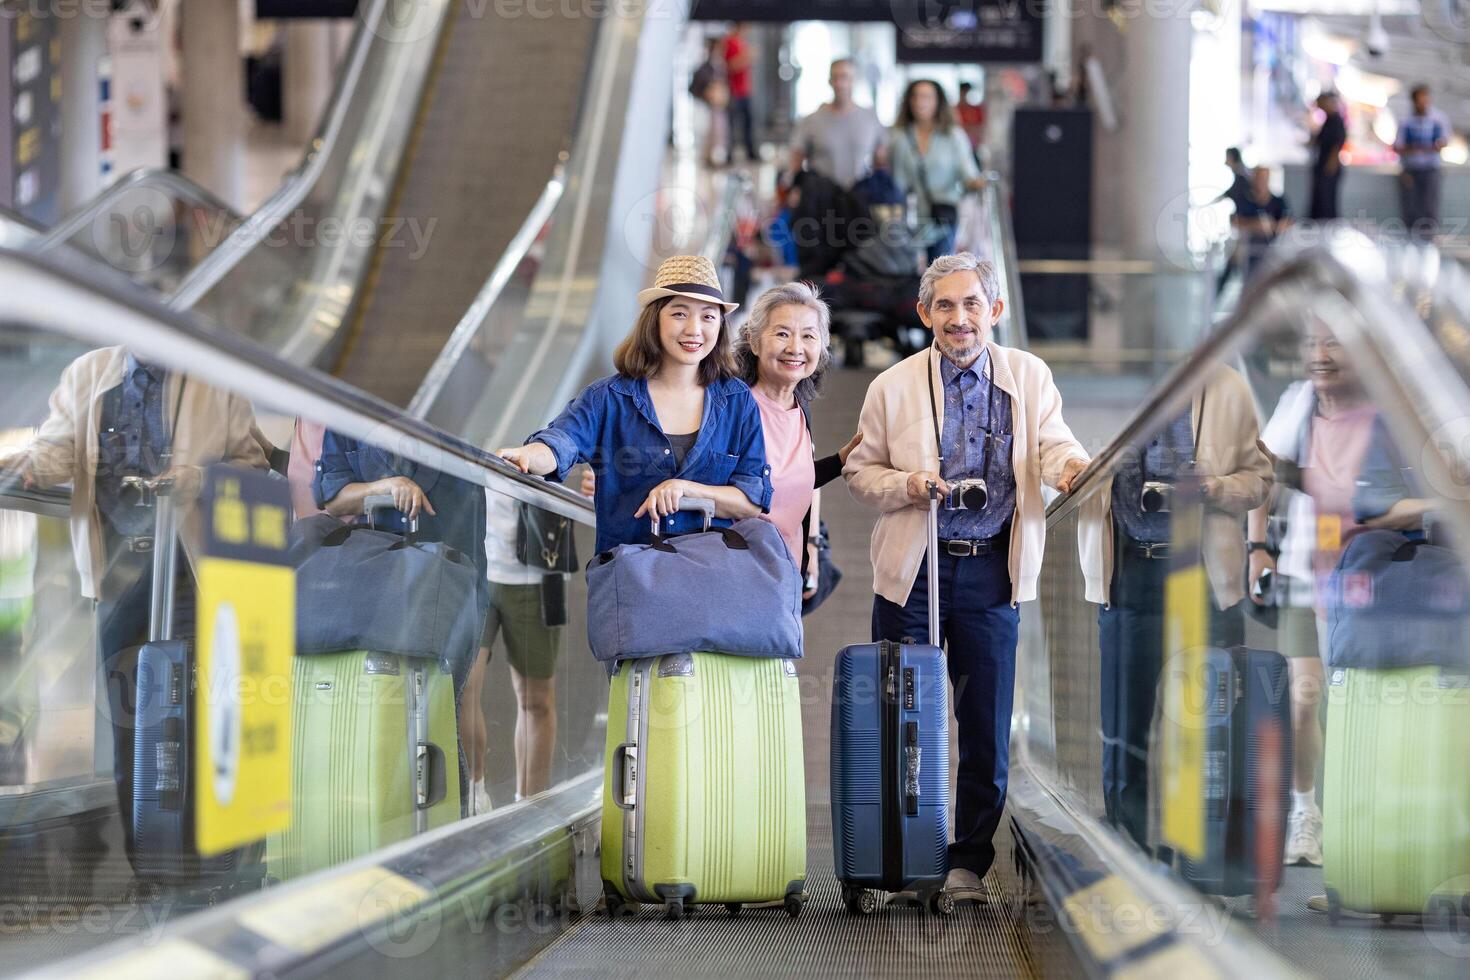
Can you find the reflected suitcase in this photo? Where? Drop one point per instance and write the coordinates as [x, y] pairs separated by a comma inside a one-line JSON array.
[[1247, 778], [1396, 792], [704, 791], [164, 734], [890, 763], [374, 757]]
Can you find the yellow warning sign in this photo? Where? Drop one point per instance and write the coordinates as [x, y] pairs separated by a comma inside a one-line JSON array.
[[1182, 720], [247, 636]]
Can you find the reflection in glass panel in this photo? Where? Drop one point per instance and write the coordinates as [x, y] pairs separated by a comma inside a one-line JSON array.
[[1275, 693], [170, 746]]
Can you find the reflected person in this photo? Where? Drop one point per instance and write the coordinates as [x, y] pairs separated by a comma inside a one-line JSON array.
[[529, 555], [1320, 433], [445, 508], [114, 419], [1123, 539]]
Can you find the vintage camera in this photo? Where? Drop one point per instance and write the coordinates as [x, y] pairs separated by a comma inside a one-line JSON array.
[[1156, 497], [968, 494], [137, 491]]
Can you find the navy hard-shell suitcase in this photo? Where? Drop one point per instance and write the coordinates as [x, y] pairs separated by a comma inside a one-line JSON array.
[[163, 770], [1247, 777], [890, 765]]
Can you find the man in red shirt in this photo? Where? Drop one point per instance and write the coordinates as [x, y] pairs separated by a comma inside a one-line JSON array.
[[737, 55]]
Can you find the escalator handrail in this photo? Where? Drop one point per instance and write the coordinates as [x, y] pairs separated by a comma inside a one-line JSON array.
[[736, 187], [176, 185], [473, 319], [1347, 267], [288, 197], [997, 197], [54, 295]]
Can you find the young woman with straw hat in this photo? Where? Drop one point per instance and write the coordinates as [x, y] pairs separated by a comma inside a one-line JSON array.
[[674, 421]]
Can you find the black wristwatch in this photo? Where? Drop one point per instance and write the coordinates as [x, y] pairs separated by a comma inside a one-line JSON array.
[[1254, 546]]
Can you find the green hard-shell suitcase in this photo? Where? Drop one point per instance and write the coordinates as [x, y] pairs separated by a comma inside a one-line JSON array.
[[704, 791], [1396, 792], [374, 758]]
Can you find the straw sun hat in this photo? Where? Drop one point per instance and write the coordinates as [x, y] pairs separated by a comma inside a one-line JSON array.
[[693, 276]]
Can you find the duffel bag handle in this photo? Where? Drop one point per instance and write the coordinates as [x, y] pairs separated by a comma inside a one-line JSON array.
[[703, 505], [385, 501]]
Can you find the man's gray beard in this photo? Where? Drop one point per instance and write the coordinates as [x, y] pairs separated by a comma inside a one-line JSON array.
[[960, 355]]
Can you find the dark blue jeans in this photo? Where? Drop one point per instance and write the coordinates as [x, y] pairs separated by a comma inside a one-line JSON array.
[[1131, 641], [122, 626], [978, 626]]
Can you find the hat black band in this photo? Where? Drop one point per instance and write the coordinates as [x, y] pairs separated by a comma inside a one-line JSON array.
[[696, 287]]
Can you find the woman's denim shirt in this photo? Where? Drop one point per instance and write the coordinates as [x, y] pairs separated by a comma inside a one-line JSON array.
[[612, 425]]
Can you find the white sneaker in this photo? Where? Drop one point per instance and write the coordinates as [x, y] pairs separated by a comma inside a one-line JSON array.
[[479, 797], [1304, 837], [964, 885]]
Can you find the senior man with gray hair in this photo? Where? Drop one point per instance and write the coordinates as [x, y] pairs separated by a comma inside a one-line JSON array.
[[962, 411]]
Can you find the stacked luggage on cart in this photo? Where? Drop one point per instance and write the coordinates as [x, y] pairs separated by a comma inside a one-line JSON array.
[[704, 794]]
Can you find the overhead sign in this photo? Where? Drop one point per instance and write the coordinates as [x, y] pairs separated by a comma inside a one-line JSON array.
[[943, 31], [968, 31], [30, 129], [246, 638]]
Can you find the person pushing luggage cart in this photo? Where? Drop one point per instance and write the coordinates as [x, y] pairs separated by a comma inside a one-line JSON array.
[[982, 423]]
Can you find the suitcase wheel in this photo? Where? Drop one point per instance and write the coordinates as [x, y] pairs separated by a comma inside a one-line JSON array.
[[613, 901], [1334, 906], [941, 903], [674, 908], [859, 901], [793, 905], [733, 908]]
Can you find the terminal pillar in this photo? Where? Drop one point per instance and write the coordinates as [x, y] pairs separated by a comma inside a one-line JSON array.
[[213, 97], [307, 75], [1155, 178], [83, 46]]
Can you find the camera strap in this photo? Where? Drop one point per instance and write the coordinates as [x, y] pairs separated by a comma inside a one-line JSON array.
[[989, 377]]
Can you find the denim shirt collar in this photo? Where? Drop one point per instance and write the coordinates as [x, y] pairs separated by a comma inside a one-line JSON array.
[[132, 365], [637, 390]]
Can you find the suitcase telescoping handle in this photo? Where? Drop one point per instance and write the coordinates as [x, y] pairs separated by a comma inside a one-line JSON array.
[[384, 501], [702, 505], [933, 563], [159, 492], [625, 775]]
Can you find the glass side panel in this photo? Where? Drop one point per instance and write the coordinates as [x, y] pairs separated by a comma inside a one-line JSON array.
[[437, 668], [1249, 658]]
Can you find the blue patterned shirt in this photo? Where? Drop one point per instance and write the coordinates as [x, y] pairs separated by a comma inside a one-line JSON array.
[[132, 442], [976, 414], [1164, 459]]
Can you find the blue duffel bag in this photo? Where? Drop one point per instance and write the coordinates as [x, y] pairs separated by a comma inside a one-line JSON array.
[[733, 590], [1397, 601]]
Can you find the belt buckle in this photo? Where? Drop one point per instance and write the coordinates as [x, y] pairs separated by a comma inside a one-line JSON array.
[[959, 549], [1156, 549], [141, 545]]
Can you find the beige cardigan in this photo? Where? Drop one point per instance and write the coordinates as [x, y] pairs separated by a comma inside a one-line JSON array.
[[213, 426], [1230, 450], [898, 439]]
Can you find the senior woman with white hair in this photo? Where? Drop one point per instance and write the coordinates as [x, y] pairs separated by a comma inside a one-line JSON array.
[[782, 354]]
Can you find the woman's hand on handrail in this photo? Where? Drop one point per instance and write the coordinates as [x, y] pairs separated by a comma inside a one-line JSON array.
[[535, 458]]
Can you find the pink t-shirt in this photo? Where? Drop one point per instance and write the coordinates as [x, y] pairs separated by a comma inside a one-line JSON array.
[[1338, 446], [306, 449], [793, 474]]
